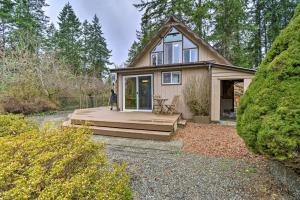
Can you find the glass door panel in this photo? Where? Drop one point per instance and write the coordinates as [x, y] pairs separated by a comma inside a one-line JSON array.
[[130, 93], [145, 93]]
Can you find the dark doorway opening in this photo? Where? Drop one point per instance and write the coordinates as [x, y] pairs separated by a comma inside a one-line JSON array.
[[231, 91]]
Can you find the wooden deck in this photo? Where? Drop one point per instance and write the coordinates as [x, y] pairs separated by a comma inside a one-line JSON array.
[[141, 125]]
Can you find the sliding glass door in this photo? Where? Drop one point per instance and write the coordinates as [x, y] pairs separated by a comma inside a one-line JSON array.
[[130, 93], [138, 93]]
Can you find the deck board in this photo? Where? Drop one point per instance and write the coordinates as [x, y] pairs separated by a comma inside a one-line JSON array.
[[103, 117]]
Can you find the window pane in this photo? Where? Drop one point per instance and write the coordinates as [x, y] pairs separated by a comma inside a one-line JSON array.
[[177, 52], [160, 58], [173, 37], [166, 77], [176, 77], [187, 43], [168, 53], [159, 47], [194, 56], [186, 55]]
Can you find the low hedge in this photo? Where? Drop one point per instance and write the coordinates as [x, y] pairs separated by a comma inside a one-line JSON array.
[[56, 164], [15, 125], [269, 112]]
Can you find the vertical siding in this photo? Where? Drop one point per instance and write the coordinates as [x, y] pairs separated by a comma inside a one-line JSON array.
[[169, 91]]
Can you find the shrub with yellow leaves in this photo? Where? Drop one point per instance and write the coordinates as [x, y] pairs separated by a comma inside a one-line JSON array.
[[56, 164]]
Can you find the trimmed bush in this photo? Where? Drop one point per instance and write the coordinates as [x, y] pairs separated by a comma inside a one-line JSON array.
[[269, 112], [58, 164]]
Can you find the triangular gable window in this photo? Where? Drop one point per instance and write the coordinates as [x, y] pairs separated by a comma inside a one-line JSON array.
[[159, 47], [173, 35], [187, 44]]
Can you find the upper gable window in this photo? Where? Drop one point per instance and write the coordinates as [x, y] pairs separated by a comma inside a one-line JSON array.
[[188, 44], [157, 54], [174, 48], [173, 36]]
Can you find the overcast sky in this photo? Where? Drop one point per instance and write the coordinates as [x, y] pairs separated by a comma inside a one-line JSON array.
[[119, 20]]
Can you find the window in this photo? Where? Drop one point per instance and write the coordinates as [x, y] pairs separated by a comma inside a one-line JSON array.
[[172, 53], [171, 77], [157, 54], [173, 36], [190, 55], [174, 48], [157, 58], [187, 44]]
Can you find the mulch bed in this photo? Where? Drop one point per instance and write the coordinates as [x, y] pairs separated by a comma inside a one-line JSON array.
[[214, 140]]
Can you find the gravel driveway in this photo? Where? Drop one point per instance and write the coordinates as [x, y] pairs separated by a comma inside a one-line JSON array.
[[165, 175]]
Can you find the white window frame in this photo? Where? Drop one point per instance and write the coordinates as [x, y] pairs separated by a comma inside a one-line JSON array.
[[190, 55], [156, 58], [171, 83]]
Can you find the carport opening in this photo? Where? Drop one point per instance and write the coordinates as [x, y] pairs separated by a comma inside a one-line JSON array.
[[231, 92]]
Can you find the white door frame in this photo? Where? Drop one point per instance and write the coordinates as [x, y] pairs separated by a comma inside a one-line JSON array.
[[137, 94]]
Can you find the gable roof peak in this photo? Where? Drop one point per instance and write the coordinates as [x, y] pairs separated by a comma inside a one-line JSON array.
[[171, 22]]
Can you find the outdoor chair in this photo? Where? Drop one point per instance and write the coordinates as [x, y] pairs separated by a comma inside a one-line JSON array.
[[172, 107]]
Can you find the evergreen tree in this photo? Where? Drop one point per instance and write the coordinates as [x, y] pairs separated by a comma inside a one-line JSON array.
[[100, 54], [228, 30], [6, 19], [201, 18], [50, 40], [134, 49], [29, 24], [68, 38], [95, 52], [266, 19], [86, 30]]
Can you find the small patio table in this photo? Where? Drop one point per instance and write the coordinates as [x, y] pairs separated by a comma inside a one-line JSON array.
[[159, 106]]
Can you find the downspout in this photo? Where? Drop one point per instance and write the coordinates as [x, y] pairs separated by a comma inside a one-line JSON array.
[[210, 90]]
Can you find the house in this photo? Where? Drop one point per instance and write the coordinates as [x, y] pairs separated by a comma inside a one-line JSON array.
[[169, 62]]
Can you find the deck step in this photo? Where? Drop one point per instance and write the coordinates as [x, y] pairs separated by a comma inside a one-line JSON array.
[[141, 125], [125, 132]]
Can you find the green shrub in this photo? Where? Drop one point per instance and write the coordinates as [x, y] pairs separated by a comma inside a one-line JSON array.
[[269, 112], [15, 125], [58, 164]]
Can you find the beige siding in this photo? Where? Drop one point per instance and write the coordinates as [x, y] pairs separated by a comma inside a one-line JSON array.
[[206, 54], [219, 74], [144, 61], [169, 91]]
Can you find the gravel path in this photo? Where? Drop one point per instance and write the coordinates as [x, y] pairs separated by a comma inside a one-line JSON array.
[[165, 175], [55, 119]]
